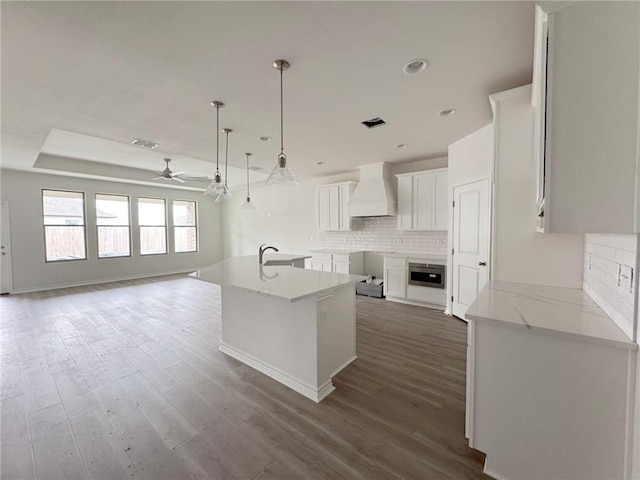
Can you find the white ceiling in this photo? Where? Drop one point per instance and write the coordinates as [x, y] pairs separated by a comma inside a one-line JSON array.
[[83, 79]]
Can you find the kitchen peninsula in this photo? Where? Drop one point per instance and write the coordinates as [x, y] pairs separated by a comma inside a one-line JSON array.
[[295, 325]]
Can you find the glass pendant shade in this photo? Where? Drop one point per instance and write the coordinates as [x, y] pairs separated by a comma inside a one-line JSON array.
[[248, 205], [225, 194], [281, 173], [216, 187]]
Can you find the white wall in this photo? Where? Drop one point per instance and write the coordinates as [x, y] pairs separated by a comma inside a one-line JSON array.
[[519, 254], [285, 217], [23, 192], [603, 256], [470, 159]]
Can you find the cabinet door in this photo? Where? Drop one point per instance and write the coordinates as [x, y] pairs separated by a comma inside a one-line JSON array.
[[323, 209], [340, 267], [344, 220], [395, 281], [440, 201], [328, 208], [326, 266], [405, 203], [423, 201]]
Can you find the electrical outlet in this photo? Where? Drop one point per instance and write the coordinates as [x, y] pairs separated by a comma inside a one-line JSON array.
[[323, 317], [625, 278]]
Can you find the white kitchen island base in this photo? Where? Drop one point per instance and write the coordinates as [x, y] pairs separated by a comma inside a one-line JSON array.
[[301, 344]]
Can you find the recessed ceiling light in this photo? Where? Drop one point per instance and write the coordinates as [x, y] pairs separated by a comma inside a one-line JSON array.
[[321, 163], [416, 65], [264, 139], [447, 113], [402, 145], [144, 143]]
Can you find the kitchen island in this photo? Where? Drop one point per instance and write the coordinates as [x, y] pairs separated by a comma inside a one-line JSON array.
[[295, 325]]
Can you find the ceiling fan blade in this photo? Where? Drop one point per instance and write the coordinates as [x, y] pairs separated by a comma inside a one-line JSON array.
[[173, 174], [158, 178], [178, 179], [195, 179]]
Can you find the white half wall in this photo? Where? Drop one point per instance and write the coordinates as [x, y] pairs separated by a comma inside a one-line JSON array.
[[23, 192], [519, 253]]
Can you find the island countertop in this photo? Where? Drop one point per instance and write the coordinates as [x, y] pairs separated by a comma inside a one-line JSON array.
[[555, 310], [283, 282]]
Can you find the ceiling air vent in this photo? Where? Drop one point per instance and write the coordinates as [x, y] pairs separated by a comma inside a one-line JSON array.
[[144, 143], [374, 122]]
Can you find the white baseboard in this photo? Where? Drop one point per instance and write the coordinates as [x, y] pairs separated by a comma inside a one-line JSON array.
[[98, 282], [343, 366], [303, 388], [417, 304]]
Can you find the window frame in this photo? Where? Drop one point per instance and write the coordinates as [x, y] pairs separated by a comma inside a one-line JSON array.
[[165, 226], [128, 197], [174, 226], [83, 226]]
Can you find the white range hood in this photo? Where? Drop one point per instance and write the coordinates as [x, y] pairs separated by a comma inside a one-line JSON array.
[[374, 196]]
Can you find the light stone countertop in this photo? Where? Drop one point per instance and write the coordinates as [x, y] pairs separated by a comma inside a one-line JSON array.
[[553, 310], [282, 282], [336, 251], [416, 256]]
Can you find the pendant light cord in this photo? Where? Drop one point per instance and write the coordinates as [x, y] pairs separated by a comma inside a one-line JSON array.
[[226, 159], [217, 139], [281, 114], [247, 155]]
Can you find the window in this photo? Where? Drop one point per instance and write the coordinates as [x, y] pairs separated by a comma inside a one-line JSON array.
[[153, 230], [64, 231], [185, 226], [112, 219]]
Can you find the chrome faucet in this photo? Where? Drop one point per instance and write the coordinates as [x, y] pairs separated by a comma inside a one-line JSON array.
[[263, 249]]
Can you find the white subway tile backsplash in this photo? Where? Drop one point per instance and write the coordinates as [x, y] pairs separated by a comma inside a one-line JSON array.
[[381, 234], [610, 275]]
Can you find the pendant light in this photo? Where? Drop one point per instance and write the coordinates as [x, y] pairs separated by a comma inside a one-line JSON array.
[[281, 173], [216, 187], [247, 205], [226, 193]]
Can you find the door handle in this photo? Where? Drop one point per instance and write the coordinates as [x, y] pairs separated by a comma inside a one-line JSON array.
[[482, 264]]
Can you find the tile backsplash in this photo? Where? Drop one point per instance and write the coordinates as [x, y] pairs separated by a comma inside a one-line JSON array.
[[610, 275], [381, 234]]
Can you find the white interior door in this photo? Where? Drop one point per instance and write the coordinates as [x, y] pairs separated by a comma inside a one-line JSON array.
[[5, 250], [471, 222]]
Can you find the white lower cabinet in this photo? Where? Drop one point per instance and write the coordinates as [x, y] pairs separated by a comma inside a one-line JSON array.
[[543, 402], [350, 263], [395, 277]]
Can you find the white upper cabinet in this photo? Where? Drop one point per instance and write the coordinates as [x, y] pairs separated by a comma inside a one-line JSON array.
[[586, 85], [422, 200], [332, 206]]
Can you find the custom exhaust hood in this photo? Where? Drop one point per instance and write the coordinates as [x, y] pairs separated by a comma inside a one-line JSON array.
[[374, 196]]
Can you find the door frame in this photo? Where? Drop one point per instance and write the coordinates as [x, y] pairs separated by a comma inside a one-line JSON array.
[[451, 233], [6, 235]]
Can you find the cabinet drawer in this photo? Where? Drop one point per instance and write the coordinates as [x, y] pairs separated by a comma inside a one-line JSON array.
[[339, 257], [395, 262]]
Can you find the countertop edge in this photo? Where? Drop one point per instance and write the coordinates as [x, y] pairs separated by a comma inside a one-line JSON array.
[[625, 345]]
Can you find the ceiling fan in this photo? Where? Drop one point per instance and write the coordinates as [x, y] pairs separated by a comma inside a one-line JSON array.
[[167, 174]]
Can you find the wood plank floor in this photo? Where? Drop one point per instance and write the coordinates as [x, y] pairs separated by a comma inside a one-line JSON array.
[[125, 380]]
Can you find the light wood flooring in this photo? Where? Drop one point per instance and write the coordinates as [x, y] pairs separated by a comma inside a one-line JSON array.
[[125, 380]]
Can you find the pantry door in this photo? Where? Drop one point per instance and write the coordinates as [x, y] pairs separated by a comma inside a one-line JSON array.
[[471, 230]]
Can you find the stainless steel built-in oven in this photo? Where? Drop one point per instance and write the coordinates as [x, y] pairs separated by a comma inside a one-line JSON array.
[[427, 275]]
